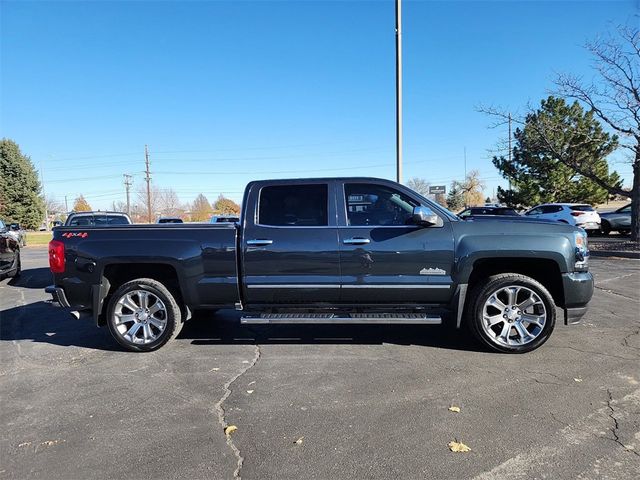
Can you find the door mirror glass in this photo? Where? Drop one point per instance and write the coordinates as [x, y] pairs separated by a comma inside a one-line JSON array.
[[424, 216]]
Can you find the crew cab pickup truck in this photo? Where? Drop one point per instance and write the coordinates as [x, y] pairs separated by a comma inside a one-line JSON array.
[[329, 250]]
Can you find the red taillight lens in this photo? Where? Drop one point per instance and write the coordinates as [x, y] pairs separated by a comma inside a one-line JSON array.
[[577, 214], [56, 256]]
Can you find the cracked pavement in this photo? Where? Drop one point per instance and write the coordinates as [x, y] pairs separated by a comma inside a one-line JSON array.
[[317, 401]]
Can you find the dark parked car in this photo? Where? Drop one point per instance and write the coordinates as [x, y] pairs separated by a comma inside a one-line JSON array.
[[90, 219], [19, 232], [487, 210], [351, 250], [170, 220], [619, 221], [10, 265], [225, 219]]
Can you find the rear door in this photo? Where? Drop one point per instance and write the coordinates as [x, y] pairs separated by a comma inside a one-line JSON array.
[[384, 257], [290, 244]]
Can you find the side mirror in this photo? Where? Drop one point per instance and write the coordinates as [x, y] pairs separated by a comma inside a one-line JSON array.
[[424, 216]]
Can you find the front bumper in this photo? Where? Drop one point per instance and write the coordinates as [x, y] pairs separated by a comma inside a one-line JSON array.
[[578, 290], [57, 296]]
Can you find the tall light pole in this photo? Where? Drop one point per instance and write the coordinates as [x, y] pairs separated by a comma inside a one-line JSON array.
[[399, 91]]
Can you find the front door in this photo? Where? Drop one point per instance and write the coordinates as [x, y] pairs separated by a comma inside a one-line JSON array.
[[290, 245], [385, 258]]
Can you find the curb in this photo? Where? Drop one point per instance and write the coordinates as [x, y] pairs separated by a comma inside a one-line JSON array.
[[614, 253]]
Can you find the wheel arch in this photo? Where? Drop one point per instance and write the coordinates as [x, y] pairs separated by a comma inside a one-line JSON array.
[[116, 274]]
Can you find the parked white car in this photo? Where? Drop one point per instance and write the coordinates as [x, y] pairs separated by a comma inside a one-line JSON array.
[[578, 214]]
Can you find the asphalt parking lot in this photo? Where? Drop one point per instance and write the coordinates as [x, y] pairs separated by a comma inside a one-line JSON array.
[[317, 401]]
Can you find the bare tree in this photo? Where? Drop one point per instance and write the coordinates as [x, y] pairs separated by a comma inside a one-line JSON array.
[[615, 100], [471, 188], [168, 203], [54, 207], [419, 185]]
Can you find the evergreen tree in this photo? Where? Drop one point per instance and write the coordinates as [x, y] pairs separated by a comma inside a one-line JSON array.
[[553, 138], [20, 189]]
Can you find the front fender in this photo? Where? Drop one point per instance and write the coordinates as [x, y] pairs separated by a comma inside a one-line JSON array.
[[472, 248]]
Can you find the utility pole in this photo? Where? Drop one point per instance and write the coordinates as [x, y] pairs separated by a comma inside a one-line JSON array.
[[127, 186], [509, 147], [465, 176], [44, 196], [148, 180], [399, 91], [465, 164], [66, 204]]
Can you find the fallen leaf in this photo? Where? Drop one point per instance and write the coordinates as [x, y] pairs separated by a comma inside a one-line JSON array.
[[245, 361], [299, 441], [230, 429], [24, 444], [454, 409], [214, 369], [249, 392], [251, 383], [50, 443], [458, 447], [577, 380]]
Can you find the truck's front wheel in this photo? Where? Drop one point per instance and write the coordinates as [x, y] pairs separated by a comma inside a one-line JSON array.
[[511, 313], [143, 315]]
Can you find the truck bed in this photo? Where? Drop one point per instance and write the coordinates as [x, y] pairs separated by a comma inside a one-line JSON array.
[[186, 250]]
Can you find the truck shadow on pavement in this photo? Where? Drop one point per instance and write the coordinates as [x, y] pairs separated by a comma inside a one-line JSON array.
[[36, 278], [224, 327], [40, 322]]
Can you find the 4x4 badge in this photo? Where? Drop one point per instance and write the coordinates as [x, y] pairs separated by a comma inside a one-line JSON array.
[[432, 271]]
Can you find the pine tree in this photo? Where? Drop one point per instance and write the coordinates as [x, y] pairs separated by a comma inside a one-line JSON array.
[[20, 189], [536, 172]]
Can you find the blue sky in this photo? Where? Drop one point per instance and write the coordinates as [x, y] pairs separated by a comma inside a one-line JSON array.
[[227, 92]]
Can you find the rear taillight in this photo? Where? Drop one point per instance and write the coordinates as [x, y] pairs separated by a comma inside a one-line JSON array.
[[577, 214], [56, 256]]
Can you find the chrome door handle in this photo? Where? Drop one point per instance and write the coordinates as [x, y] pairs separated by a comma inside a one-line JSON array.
[[261, 242], [356, 241]]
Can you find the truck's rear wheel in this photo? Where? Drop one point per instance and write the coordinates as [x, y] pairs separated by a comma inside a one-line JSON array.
[[143, 315], [511, 313]]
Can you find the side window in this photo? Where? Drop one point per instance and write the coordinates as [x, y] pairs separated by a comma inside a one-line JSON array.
[[294, 205], [377, 205], [626, 209], [551, 209], [535, 211]]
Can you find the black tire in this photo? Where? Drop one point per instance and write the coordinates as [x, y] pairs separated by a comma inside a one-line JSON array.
[[605, 227], [172, 315], [485, 289], [18, 268]]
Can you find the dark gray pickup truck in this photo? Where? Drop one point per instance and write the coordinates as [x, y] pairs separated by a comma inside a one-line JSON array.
[[345, 250]]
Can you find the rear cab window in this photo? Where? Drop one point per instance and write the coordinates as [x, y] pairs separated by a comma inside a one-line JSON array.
[[304, 205]]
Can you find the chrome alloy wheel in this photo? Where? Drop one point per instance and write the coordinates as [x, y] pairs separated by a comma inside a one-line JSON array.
[[140, 317], [513, 315]]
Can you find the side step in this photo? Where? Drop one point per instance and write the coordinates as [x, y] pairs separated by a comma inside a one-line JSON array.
[[331, 318]]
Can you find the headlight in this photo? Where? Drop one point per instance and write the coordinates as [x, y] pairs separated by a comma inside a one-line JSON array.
[[581, 250]]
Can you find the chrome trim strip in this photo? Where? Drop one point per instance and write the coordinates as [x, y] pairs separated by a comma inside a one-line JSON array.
[[312, 285], [397, 286], [284, 285]]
